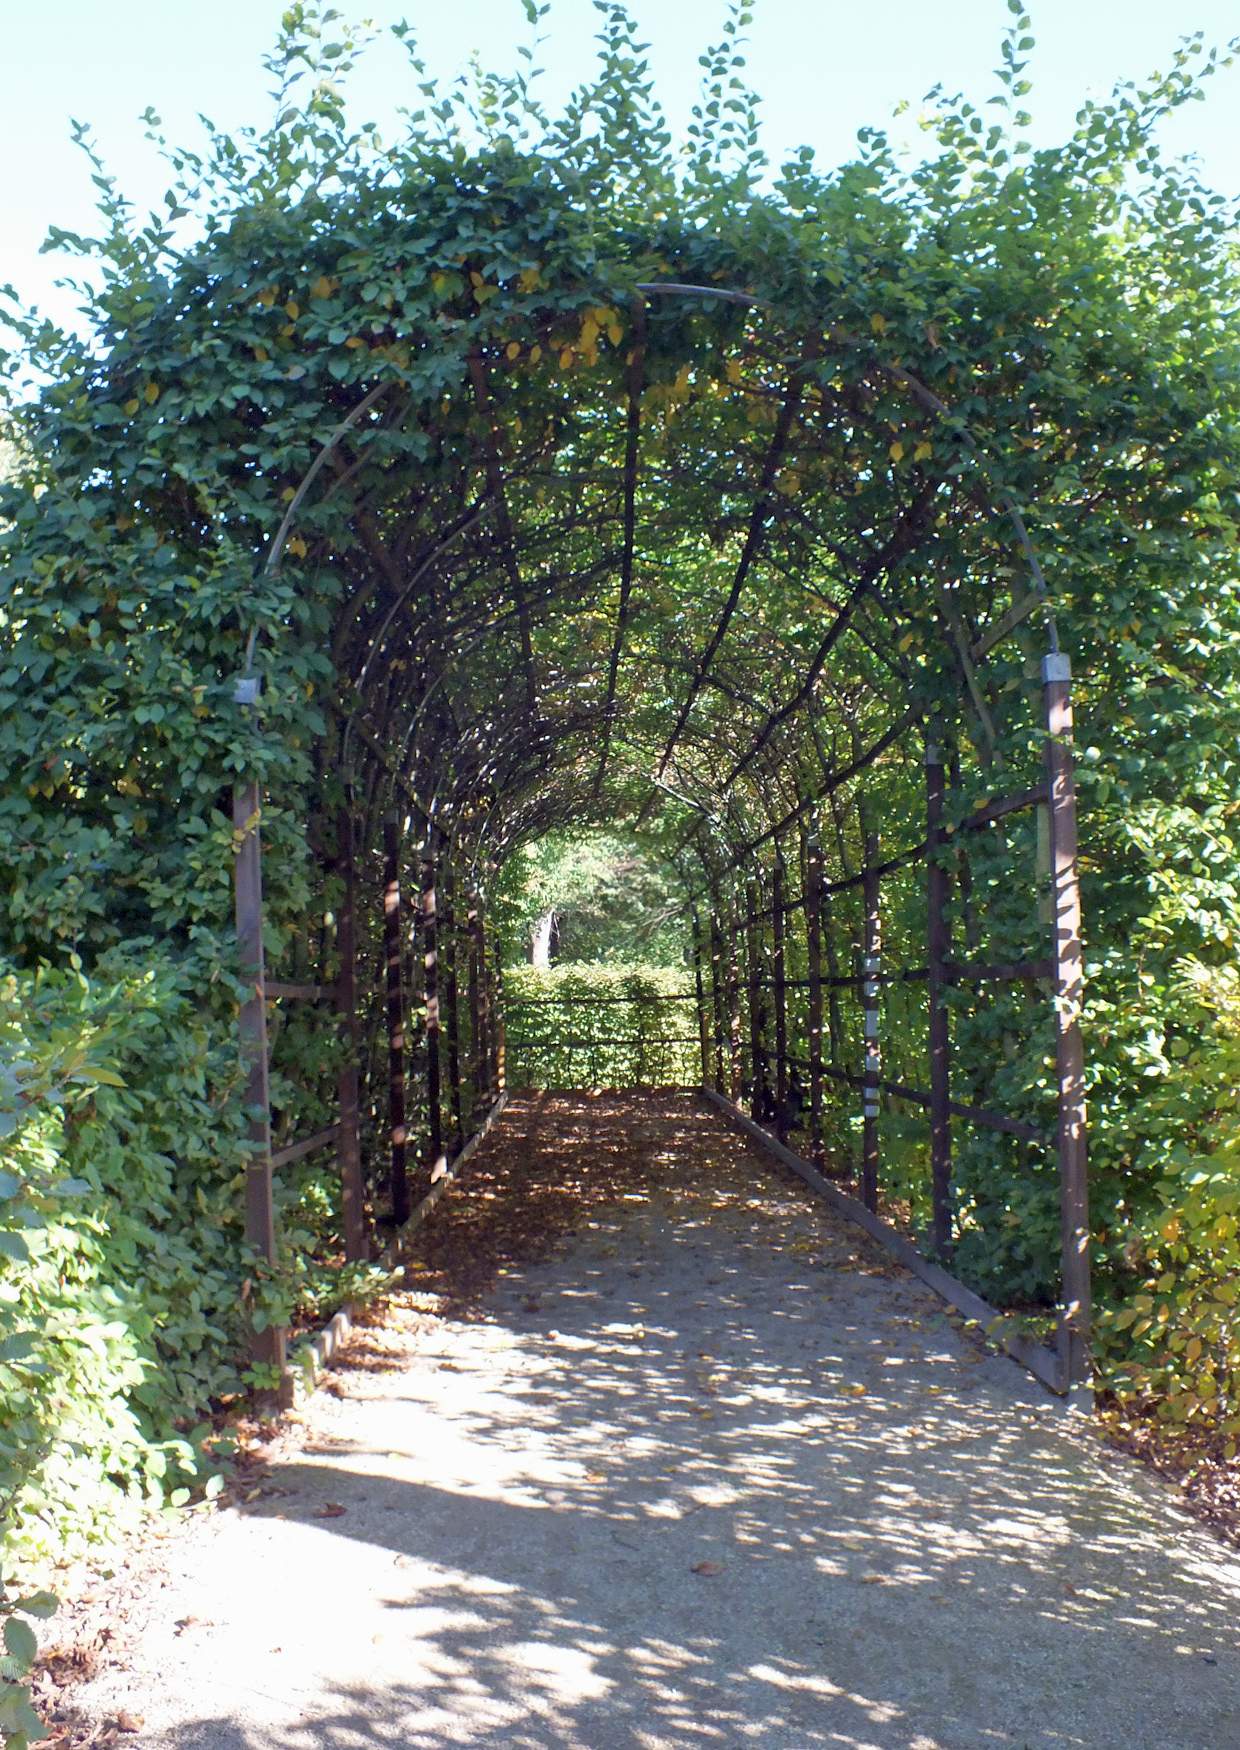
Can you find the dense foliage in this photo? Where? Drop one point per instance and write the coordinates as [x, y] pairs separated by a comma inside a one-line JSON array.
[[450, 593], [584, 1025]]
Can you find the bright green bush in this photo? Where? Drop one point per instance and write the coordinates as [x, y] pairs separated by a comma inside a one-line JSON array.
[[121, 1260], [598, 1005]]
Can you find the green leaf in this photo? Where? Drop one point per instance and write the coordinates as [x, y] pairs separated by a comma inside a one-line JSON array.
[[20, 1640]]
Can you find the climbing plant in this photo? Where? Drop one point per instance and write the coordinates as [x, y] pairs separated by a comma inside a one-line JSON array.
[[568, 557]]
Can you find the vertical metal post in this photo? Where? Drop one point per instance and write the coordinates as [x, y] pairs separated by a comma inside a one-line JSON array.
[[736, 1055], [699, 986], [267, 1346], [499, 1029], [477, 1045], [484, 1061], [753, 967], [718, 999], [813, 951], [779, 980], [871, 966], [939, 948], [349, 1143], [1068, 997], [451, 998], [430, 986], [393, 950]]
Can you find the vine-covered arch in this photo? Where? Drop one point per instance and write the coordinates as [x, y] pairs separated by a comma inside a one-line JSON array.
[[499, 671], [437, 494]]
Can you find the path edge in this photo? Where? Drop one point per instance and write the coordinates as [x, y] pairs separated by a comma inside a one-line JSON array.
[[1043, 1363], [312, 1355]]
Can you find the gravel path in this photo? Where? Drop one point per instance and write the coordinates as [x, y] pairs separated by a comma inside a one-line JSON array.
[[708, 1473]]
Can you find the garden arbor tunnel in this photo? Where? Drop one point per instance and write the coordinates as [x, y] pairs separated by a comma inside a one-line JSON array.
[[745, 584]]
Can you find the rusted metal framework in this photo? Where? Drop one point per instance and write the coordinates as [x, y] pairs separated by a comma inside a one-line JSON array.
[[515, 649]]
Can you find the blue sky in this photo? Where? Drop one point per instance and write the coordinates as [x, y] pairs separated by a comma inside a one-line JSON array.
[[824, 69]]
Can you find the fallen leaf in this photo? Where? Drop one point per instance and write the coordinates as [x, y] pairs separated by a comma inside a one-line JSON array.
[[330, 1510], [707, 1568], [126, 1722]]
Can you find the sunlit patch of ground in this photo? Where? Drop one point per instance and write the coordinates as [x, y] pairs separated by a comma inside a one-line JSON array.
[[659, 1455]]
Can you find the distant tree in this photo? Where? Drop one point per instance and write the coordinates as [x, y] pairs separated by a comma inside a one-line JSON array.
[[590, 896]]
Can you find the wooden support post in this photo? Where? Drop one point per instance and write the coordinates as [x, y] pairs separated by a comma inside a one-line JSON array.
[[430, 985], [1068, 997], [871, 950], [779, 981], [348, 1141], [699, 986], [393, 950], [813, 950], [267, 1347], [451, 1002], [753, 967], [938, 942]]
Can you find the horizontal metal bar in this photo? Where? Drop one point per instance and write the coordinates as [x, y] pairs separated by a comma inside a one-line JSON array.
[[293, 1151], [1010, 969], [585, 1044], [687, 996], [311, 993], [920, 1097], [898, 975], [887, 867]]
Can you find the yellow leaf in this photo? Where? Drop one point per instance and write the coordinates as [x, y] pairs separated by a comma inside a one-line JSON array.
[[475, 278], [297, 546], [292, 309], [529, 279], [287, 494], [354, 341], [896, 452], [261, 354], [907, 642], [513, 350], [733, 369], [566, 358], [878, 323], [267, 298], [1193, 1350], [151, 393], [132, 406], [614, 332], [322, 287], [535, 354], [923, 451]]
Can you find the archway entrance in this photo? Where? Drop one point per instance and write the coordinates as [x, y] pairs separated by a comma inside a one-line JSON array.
[[746, 587]]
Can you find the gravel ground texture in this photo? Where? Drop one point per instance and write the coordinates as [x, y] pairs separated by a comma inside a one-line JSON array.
[[659, 1452]]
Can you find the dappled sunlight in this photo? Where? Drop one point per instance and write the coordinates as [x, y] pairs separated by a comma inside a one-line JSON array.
[[706, 1471]]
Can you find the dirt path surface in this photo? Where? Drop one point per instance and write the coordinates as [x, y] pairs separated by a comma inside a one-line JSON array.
[[705, 1473]]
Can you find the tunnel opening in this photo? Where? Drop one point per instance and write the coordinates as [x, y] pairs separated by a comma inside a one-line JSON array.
[[656, 533], [659, 565]]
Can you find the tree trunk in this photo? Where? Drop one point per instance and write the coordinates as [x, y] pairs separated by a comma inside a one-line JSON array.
[[542, 941]]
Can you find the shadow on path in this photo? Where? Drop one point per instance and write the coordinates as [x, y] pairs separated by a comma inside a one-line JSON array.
[[711, 1473]]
